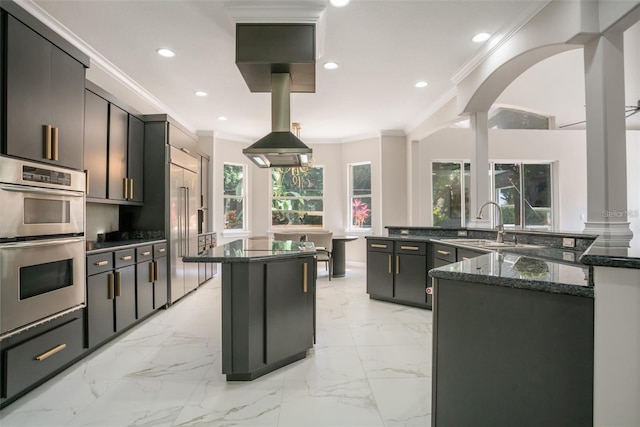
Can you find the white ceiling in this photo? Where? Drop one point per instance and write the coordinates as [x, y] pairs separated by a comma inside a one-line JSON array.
[[383, 48]]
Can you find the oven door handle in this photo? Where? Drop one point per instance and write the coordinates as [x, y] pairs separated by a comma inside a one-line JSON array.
[[38, 190], [32, 243]]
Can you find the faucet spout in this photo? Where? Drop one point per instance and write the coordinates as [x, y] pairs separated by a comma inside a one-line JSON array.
[[500, 236]]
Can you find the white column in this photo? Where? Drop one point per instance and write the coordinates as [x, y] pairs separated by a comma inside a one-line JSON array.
[[480, 192], [606, 139]]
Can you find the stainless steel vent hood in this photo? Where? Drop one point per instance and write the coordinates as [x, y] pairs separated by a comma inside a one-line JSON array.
[[279, 58]]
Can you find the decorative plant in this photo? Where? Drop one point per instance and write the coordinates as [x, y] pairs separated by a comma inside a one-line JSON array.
[[360, 212]]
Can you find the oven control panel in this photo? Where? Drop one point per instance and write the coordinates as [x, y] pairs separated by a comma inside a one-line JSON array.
[[37, 174]]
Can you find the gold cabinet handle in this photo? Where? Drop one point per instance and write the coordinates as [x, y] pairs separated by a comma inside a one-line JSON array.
[[125, 188], [410, 248], [464, 258], [118, 284], [186, 150], [151, 272], [304, 277], [86, 181], [50, 353], [131, 188], [155, 271], [110, 291], [397, 264], [54, 143], [47, 142], [126, 258], [389, 264], [145, 253], [161, 250], [444, 252], [377, 245], [102, 263]]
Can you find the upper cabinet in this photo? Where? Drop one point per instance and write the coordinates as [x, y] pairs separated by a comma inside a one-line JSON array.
[[114, 151], [44, 98]]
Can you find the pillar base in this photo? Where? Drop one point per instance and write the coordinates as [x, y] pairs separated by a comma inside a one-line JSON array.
[[616, 233]]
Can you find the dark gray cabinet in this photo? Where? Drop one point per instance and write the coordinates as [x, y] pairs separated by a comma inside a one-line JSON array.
[[35, 355], [397, 271], [100, 297], [44, 99], [206, 270], [160, 283], [114, 151], [96, 128], [151, 282], [268, 313]]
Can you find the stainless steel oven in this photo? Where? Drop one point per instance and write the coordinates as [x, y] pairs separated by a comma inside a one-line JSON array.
[[42, 247], [40, 279], [39, 200]]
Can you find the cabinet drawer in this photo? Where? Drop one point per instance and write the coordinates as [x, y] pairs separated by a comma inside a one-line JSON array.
[[444, 252], [144, 253], [159, 250], [208, 241], [33, 360], [464, 254], [380, 245], [411, 248], [99, 263], [125, 257]]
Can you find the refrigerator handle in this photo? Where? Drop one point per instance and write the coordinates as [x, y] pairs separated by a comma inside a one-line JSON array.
[[180, 220], [186, 221]]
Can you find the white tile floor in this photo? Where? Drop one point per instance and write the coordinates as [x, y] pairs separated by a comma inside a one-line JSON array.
[[371, 366]]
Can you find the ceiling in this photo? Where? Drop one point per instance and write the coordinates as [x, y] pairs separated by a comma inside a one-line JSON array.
[[383, 48]]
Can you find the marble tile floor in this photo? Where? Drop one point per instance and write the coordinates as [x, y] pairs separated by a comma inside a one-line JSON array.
[[371, 366]]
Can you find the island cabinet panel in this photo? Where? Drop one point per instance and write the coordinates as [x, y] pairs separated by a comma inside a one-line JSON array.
[[511, 357], [268, 311], [397, 271], [44, 99]]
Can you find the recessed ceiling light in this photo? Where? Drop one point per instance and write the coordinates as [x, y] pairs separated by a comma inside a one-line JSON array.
[[167, 53], [330, 65], [481, 37], [222, 118], [339, 3], [421, 83], [200, 93]]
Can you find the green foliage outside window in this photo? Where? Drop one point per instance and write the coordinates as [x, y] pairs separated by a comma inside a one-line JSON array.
[[297, 197]]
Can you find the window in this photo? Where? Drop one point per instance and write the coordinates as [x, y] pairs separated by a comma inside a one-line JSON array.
[[360, 197], [297, 197], [448, 184], [523, 190], [234, 196]]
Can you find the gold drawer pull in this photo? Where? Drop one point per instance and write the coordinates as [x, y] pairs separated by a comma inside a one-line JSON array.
[[304, 277], [102, 263], [389, 264], [118, 285], [397, 264], [110, 289], [161, 250], [151, 271], [444, 252], [464, 258], [131, 188], [126, 258], [54, 143], [146, 253], [377, 245], [125, 188], [186, 150], [50, 353], [47, 142], [410, 248], [155, 271]]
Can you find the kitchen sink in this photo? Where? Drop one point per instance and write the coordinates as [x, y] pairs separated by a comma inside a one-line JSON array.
[[488, 244]]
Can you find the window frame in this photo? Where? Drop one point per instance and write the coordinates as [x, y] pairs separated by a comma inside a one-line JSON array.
[[350, 196], [294, 227], [244, 197]]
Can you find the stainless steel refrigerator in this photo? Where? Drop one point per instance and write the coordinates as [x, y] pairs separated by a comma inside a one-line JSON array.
[[183, 222]]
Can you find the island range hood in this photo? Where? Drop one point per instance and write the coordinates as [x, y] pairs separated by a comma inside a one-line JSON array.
[[277, 58]]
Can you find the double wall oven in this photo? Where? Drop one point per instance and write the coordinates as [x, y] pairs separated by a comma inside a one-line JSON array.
[[42, 269]]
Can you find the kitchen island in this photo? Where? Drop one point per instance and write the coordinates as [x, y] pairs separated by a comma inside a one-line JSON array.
[[512, 342], [268, 304]]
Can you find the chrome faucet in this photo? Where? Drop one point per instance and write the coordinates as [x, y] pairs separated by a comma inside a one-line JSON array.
[[500, 236]]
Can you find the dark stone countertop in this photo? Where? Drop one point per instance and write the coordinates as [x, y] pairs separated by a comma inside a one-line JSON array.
[[520, 272], [255, 249], [99, 247], [605, 252]]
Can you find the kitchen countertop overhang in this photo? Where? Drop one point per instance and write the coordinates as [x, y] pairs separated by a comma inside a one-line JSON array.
[[253, 249]]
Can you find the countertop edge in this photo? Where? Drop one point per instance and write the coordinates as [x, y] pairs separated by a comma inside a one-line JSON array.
[[259, 258], [123, 245]]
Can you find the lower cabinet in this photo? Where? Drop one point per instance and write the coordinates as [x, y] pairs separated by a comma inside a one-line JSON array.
[[206, 270], [35, 355], [124, 286], [397, 271]]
